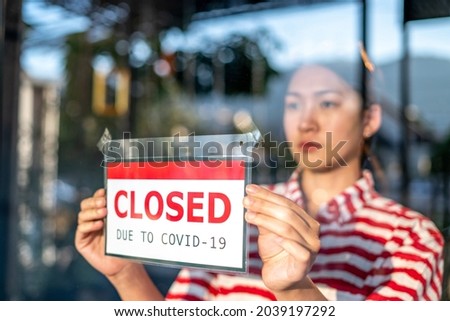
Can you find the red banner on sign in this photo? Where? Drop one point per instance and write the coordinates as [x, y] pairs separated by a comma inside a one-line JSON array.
[[218, 169]]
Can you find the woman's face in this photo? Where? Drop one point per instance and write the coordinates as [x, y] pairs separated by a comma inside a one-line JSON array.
[[322, 120]]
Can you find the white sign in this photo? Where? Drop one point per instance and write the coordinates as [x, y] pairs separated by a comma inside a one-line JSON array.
[[185, 213]]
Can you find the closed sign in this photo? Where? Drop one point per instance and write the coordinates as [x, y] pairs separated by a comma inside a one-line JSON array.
[[183, 213]]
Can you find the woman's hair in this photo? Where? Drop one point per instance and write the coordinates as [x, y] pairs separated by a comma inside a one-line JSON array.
[[360, 78]]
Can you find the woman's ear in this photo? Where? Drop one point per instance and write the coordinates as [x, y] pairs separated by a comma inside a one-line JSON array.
[[372, 120]]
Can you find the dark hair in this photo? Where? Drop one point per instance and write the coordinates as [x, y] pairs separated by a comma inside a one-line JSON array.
[[358, 76]]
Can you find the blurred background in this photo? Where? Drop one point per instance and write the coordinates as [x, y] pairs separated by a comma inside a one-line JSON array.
[[71, 68]]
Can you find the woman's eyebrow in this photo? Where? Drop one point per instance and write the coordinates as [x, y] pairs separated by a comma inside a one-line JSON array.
[[317, 93], [293, 93], [328, 91]]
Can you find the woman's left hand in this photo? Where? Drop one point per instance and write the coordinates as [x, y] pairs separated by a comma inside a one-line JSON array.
[[288, 239]]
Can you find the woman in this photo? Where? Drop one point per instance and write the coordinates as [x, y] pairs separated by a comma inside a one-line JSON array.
[[367, 247]]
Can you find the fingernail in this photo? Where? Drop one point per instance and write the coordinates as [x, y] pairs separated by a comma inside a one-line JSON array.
[[252, 188], [249, 215], [248, 201], [99, 202]]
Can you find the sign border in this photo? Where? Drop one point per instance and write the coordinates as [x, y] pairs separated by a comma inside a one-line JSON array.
[[177, 264]]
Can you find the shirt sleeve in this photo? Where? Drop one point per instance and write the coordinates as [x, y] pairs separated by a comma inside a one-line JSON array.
[[412, 266]]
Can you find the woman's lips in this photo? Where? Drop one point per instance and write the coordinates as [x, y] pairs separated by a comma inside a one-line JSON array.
[[309, 146]]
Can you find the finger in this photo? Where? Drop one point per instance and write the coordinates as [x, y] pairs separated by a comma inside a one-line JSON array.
[[280, 211], [93, 202], [90, 226], [285, 221], [268, 224], [300, 254], [95, 214], [100, 192], [264, 194], [296, 250]]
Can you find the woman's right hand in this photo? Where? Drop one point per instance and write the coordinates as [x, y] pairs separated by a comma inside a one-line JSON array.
[[90, 237]]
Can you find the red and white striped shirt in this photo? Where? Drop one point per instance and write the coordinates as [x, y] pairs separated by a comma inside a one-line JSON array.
[[372, 248]]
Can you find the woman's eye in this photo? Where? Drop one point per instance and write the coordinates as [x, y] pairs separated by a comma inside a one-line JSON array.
[[328, 104], [291, 105]]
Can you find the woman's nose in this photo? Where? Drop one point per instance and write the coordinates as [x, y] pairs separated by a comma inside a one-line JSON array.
[[308, 118]]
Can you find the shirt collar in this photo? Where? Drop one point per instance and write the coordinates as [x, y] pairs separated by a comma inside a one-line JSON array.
[[342, 207]]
